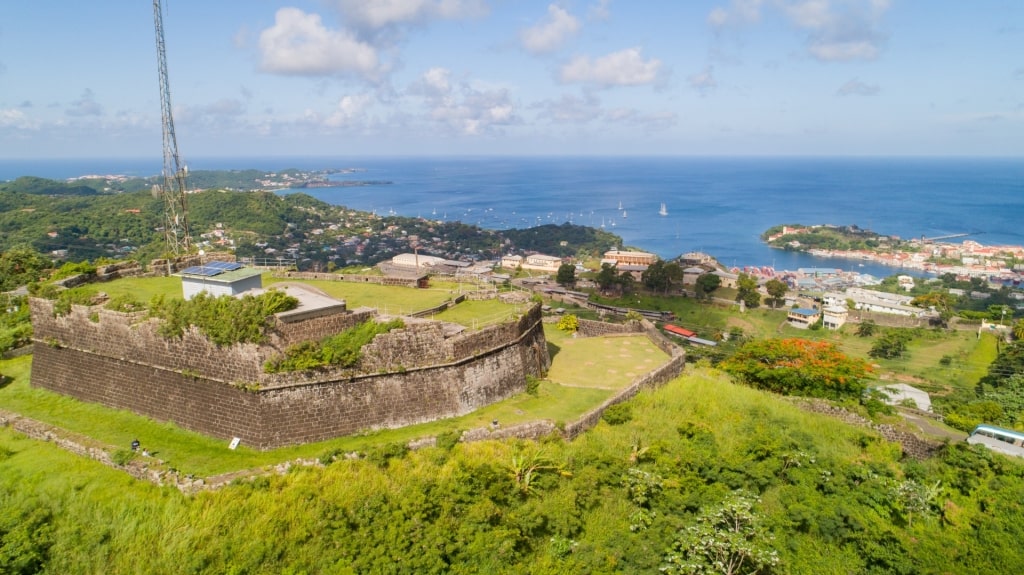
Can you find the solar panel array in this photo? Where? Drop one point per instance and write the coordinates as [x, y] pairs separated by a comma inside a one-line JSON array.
[[211, 269]]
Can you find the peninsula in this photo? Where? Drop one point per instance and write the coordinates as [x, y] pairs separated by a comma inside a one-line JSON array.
[[967, 258]]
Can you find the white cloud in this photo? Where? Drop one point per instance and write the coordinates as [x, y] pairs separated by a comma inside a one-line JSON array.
[[548, 36], [841, 30], [703, 81], [570, 109], [350, 110], [377, 14], [599, 10], [624, 68], [837, 30], [462, 108], [739, 12], [85, 106], [16, 119], [855, 87], [299, 44]]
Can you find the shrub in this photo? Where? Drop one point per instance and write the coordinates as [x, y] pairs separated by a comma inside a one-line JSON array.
[[569, 323], [447, 440], [225, 320], [382, 454], [618, 414], [341, 350], [532, 385]]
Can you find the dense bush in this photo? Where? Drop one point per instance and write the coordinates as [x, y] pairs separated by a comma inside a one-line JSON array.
[[341, 350], [225, 320]]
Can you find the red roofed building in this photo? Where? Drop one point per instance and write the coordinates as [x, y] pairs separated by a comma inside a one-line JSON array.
[[676, 330]]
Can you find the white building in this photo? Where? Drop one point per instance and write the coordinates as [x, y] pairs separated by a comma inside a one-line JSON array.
[[416, 261], [834, 317], [542, 262], [219, 278], [875, 301]]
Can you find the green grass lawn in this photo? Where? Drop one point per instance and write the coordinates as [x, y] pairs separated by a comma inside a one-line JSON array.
[[388, 299], [610, 363], [476, 314]]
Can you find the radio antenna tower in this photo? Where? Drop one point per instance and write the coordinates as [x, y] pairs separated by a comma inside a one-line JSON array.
[[173, 189]]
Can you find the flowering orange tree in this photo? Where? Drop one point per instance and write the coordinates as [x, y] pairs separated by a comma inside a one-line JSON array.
[[798, 367]]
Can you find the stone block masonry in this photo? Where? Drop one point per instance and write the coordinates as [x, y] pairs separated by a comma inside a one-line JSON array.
[[409, 376]]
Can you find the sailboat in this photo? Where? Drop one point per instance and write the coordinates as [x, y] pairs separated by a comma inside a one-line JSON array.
[[663, 211], [620, 205], [623, 213]]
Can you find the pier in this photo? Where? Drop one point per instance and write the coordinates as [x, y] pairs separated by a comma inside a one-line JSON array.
[[949, 237]]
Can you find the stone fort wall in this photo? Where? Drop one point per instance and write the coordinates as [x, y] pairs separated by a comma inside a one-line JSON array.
[[408, 376]]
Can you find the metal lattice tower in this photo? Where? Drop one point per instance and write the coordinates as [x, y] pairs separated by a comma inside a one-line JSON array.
[[173, 189]]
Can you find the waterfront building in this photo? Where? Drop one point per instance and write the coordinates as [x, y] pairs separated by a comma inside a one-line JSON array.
[[630, 257]]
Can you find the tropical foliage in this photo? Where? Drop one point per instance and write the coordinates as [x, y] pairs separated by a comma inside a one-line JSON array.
[[225, 320], [798, 367], [705, 473], [341, 350]]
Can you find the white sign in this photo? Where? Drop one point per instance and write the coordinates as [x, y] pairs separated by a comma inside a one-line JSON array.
[[234, 443]]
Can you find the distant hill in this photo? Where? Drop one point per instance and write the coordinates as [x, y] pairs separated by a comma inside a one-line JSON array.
[[44, 187]]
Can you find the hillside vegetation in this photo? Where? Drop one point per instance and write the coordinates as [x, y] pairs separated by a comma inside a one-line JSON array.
[[808, 495]]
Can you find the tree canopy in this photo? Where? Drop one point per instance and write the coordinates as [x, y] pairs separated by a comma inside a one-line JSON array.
[[798, 367]]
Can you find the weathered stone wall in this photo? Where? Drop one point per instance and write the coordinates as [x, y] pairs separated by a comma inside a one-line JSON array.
[[912, 445], [403, 281], [133, 338], [283, 334], [409, 376], [591, 328]]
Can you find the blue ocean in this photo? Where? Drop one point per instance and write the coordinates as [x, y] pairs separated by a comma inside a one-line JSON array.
[[715, 205]]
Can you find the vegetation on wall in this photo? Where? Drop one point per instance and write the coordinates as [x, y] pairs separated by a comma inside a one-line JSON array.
[[341, 350], [225, 320]]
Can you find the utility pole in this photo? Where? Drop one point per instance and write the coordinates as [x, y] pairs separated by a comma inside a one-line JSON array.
[[173, 190]]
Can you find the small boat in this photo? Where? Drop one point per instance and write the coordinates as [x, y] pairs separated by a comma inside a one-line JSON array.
[[663, 211], [623, 213], [620, 205]]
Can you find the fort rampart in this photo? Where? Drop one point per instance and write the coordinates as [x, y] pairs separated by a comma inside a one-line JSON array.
[[411, 375]]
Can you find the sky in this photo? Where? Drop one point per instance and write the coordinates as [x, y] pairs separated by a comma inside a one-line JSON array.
[[515, 77]]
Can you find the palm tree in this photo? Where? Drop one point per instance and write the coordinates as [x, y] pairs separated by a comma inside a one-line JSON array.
[[1018, 329]]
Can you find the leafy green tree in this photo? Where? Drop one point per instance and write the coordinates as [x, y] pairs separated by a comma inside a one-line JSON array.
[[655, 278], [867, 328], [606, 278], [566, 275], [626, 283], [729, 539], [798, 367], [1018, 329], [746, 290], [20, 266], [706, 285], [776, 291], [891, 345]]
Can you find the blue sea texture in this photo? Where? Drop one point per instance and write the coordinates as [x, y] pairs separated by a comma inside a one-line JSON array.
[[716, 205]]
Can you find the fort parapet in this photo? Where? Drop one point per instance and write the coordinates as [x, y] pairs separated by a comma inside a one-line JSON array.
[[419, 373]]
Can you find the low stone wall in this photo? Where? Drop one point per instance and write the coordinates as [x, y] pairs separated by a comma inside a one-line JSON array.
[[660, 376], [591, 328], [912, 445], [402, 281], [21, 351]]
